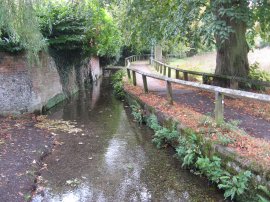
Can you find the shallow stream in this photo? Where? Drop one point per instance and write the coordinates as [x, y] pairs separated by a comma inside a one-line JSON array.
[[113, 159]]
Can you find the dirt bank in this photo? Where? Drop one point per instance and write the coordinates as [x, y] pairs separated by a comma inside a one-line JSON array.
[[22, 147]]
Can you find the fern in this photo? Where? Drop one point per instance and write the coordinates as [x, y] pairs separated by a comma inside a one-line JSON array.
[[152, 122], [137, 113], [234, 185], [266, 194]]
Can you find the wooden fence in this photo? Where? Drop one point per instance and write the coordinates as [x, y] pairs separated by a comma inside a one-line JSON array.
[[233, 80], [134, 58], [218, 91]]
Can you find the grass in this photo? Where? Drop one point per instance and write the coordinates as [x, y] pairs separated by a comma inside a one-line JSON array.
[[206, 62]]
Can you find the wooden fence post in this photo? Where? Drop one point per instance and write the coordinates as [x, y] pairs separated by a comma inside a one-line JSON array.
[[134, 78], [165, 69], [177, 76], [185, 76], [169, 72], [145, 87], [160, 68], [128, 73], [219, 107], [169, 92]]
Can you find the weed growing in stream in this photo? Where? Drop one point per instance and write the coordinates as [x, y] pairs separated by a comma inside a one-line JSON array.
[[189, 149], [118, 86], [137, 112]]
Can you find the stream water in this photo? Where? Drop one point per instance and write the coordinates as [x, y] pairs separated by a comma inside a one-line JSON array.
[[113, 159]]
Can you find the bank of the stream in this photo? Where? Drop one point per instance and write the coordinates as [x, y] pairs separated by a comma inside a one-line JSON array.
[[22, 148], [112, 158], [238, 175]]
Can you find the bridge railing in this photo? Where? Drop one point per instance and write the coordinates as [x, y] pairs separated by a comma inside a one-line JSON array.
[[218, 91]]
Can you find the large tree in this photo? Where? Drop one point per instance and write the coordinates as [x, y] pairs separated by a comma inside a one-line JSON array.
[[226, 23]]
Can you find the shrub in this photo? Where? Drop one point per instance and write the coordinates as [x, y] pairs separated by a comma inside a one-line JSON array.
[[234, 185], [152, 122], [137, 113], [256, 74], [83, 26], [189, 151], [117, 82], [162, 135]]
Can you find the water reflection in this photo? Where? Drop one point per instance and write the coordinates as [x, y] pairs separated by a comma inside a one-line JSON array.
[[95, 92], [114, 160]]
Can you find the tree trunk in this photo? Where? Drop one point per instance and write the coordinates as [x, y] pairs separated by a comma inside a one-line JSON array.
[[232, 53], [158, 52]]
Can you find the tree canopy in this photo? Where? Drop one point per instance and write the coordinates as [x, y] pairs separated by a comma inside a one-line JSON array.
[[63, 25], [19, 28], [228, 24], [179, 20], [101, 26]]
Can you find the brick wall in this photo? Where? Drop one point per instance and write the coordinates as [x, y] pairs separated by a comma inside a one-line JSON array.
[[27, 89]]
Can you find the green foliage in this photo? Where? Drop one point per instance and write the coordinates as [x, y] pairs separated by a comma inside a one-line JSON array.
[[103, 34], [211, 168], [84, 26], [165, 136], [188, 22], [118, 86], [19, 28], [188, 149], [255, 73], [137, 113], [234, 185], [224, 139], [162, 135], [62, 24], [265, 196], [9, 45], [152, 122]]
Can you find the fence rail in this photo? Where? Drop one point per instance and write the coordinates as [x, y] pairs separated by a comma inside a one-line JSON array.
[[134, 58], [218, 91], [234, 80]]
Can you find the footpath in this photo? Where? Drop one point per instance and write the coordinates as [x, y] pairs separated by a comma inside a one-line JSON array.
[[253, 117]]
